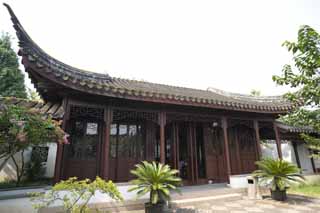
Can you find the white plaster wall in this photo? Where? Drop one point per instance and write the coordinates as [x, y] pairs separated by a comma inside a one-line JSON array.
[[317, 163], [51, 161], [270, 150], [288, 152], [305, 160], [9, 172]]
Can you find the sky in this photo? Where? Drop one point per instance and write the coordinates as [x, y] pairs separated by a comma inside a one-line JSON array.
[[232, 45]]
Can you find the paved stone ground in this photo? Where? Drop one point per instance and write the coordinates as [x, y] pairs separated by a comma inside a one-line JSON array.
[[295, 204]]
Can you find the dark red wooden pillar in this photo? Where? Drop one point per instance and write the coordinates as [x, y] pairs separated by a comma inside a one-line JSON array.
[[191, 152], [295, 149], [226, 145], [59, 154], [195, 157], [58, 165], [237, 136], [177, 145], [258, 146], [278, 140], [162, 123], [312, 161], [174, 146], [106, 143]]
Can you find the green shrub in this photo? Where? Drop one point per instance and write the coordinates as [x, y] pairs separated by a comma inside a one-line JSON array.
[[156, 179], [279, 174], [75, 194]]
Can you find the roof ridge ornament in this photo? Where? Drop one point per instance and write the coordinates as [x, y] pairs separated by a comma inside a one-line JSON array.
[[239, 95], [28, 45], [21, 33]]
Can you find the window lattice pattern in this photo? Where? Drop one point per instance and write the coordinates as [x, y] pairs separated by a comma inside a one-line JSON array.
[[86, 112], [40, 152], [236, 122], [84, 139], [124, 115], [188, 117]]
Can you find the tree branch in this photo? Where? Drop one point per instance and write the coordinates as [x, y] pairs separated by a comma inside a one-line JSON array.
[[17, 169]]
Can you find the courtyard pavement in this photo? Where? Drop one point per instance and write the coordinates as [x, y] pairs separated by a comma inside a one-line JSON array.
[[295, 204], [200, 199]]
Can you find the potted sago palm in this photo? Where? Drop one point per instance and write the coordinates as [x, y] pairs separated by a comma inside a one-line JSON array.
[[279, 175], [157, 180]]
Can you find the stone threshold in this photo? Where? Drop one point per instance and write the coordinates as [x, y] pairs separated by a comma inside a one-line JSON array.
[[21, 192]]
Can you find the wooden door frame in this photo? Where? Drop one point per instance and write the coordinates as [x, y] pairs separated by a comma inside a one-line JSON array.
[[70, 124], [190, 130]]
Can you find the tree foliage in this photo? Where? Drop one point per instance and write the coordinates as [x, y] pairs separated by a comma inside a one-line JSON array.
[[304, 75], [33, 95], [75, 194], [255, 92], [11, 77], [21, 128]]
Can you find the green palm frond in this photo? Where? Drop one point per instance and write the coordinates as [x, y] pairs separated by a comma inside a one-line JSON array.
[[277, 173], [156, 179]]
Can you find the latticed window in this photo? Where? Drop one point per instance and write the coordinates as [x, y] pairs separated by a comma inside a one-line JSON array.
[[133, 116], [84, 128], [40, 153], [127, 140], [80, 112], [128, 133]]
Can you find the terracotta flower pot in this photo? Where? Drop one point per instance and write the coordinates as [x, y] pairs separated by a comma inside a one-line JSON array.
[[279, 195]]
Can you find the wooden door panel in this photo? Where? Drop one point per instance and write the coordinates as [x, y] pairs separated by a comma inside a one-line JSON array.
[[127, 148], [211, 167], [82, 154], [248, 162], [215, 157], [112, 168], [125, 166], [80, 169]]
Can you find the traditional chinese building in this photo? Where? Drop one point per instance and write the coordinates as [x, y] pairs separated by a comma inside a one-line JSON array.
[[115, 123]]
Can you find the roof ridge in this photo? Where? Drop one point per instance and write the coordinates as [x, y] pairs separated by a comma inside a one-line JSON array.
[[37, 60], [217, 91], [19, 28]]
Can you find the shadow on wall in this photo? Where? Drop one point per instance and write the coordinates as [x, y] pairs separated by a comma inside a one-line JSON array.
[[9, 171]]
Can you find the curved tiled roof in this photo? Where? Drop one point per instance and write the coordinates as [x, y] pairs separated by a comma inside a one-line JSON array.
[[101, 84], [55, 110], [296, 129]]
